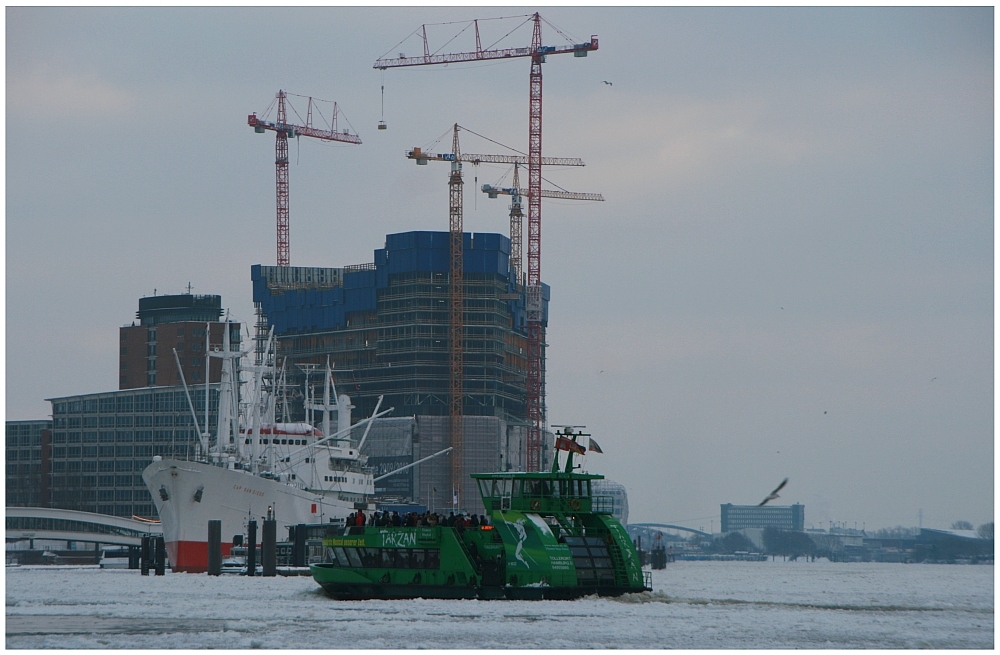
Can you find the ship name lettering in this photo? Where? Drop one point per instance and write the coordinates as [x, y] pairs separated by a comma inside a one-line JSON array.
[[239, 487]]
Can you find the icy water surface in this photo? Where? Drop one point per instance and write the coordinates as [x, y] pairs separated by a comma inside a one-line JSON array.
[[693, 605]]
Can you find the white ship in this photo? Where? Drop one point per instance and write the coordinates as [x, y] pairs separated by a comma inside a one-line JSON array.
[[257, 466]]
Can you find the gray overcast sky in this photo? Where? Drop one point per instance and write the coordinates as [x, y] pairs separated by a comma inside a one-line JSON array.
[[792, 274]]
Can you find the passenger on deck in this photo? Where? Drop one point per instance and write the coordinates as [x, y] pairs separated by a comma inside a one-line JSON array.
[[432, 520], [474, 521], [360, 519], [396, 519]]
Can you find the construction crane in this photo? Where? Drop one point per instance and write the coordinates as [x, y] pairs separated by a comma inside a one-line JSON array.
[[456, 287], [538, 53], [456, 298], [516, 214], [283, 130]]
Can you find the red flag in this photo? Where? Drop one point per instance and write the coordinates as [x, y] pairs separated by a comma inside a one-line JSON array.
[[595, 447], [562, 443]]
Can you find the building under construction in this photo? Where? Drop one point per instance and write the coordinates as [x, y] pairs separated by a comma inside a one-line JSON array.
[[385, 328]]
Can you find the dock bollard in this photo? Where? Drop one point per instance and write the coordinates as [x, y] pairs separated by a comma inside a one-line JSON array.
[[252, 548], [268, 548], [160, 556], [144, 557], [299, 546], [215, 547]]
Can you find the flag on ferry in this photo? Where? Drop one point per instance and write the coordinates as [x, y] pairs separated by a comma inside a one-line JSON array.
[[596, 448], [562, 443]]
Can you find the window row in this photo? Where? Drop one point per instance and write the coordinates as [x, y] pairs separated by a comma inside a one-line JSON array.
[[384, 558]]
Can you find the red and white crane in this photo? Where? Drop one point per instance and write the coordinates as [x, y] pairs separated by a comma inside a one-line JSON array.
[[538, 53], [283, 129]]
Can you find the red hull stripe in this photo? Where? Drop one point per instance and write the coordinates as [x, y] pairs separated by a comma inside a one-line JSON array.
[[191, 556]]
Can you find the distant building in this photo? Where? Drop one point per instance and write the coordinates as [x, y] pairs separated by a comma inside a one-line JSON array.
[[617, 492], [27, 463], [783, 517], [168, 324]]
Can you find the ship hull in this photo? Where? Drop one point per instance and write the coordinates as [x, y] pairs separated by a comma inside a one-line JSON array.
[[188, 495], [337, 585]]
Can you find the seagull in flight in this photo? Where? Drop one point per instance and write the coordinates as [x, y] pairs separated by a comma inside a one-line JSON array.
[[774, 494], [607, 82]]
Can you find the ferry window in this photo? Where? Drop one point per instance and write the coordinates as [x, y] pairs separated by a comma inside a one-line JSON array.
[[417, 558], [602, 563], [402, 558], [331, 558], [386, 558], [433, 559], [352, 556], [341, 556]]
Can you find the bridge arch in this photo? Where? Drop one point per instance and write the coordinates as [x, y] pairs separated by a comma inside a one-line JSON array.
[[668, 526], [71, 525]]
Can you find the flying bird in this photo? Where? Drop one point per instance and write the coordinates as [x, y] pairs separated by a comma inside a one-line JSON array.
[[607, 82], [774, 494]]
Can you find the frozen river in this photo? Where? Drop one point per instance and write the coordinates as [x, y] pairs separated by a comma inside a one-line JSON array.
[[693, 605]]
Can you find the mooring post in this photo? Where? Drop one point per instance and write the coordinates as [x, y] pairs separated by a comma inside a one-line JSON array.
[[252, 547], [161, 556], [133, 557], [215, 547], [144, 557], [269, 540], [299, 546]]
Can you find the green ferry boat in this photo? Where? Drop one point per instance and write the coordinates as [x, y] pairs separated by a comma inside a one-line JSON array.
[[547, 537]]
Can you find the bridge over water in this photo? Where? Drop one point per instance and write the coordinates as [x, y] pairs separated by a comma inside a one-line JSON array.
[[70, 525], [668, 526]]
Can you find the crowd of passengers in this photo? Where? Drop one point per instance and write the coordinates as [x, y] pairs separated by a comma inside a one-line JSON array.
[[413, 520]]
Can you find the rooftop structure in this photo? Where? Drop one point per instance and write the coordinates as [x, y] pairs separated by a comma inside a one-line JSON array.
[[182, 307]]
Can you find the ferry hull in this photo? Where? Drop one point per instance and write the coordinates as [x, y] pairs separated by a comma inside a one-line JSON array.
[[188, 495], [375, 591]]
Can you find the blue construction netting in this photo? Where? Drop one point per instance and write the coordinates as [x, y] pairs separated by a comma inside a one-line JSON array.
[[310, 307]]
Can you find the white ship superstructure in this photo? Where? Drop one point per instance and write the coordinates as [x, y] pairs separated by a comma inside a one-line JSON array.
[[258, 466]]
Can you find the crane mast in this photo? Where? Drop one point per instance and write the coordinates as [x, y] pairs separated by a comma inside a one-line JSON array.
[[456, 294], [535, 331], [282, 130]]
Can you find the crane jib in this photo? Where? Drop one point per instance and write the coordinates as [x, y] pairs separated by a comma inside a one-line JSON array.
[[426, 60]]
